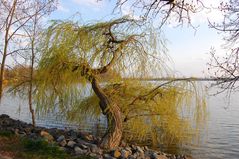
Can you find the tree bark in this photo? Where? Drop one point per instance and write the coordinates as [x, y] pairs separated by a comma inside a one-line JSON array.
[[113, 135], [30, 100]]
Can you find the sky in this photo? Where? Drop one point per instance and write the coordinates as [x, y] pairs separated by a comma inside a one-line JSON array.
[[188, 48]]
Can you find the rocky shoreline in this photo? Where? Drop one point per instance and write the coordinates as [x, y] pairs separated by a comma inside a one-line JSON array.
[[78, 143]]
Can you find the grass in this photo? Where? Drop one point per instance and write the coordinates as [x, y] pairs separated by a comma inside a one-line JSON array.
[[24, 148], [5, 133]]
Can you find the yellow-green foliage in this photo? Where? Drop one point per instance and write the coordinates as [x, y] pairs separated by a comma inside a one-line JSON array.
[[67, 47], [169, 114]]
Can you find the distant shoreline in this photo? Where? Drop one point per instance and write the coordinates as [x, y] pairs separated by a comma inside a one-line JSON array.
[[181, 79]]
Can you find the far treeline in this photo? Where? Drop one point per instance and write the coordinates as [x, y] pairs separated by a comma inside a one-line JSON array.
[[57, 63]]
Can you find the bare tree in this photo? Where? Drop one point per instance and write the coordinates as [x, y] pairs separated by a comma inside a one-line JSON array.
[[163, 10], [15, 15], [32, 30], [226, 69]]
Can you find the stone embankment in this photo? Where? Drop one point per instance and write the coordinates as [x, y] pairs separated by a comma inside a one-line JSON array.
[[78, 143]]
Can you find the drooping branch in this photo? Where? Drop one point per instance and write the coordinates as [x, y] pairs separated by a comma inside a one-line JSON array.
[[149, 96]]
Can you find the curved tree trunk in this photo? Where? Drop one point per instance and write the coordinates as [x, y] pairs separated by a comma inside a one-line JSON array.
[[113, 135]]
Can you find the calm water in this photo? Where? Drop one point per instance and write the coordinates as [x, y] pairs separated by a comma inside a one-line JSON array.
[[221, 141]]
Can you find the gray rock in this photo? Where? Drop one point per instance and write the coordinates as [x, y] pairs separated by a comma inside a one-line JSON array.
[[85, 145], [82, 146], [93, 155], [79, 151], [60, 138], [80, 141], [71, 143], [95, 149]]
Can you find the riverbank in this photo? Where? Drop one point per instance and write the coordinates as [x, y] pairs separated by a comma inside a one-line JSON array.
[[63, 144]]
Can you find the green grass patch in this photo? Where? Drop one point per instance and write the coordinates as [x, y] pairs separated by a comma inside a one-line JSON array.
[[6, 133], [24, 148], [42, 147]]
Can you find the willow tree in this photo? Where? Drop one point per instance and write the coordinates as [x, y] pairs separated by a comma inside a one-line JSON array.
[[73, 54]]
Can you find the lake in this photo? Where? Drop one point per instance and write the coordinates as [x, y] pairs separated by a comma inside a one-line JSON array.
[[221, 140]]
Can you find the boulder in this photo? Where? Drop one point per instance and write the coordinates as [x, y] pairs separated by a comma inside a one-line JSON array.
[[60, 138], [79, 151], [95, 149], [83, 146]]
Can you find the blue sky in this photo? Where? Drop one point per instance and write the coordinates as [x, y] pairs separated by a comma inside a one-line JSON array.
[[189, 49]]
